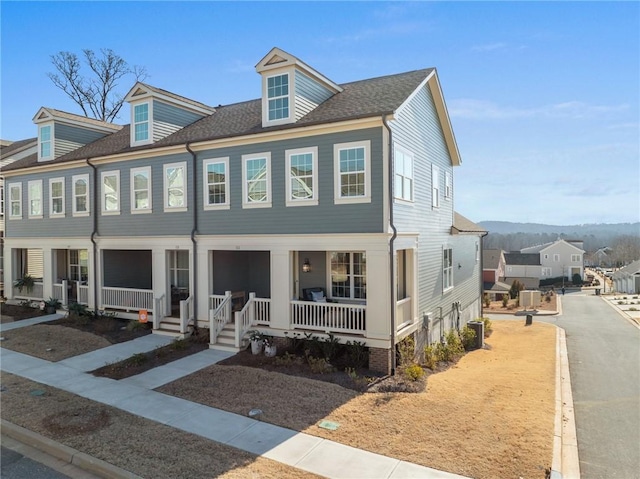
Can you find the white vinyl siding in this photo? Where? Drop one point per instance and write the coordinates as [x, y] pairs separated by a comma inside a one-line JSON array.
[[80, 195], [141, 190], [348, 275], [256, 180], [403, 186], [352, 172], [56, 197], [216, 183], [447, 269], [15, 201], [110, 181], [175, 187], [435, 186], [35, 198], [302, 177]]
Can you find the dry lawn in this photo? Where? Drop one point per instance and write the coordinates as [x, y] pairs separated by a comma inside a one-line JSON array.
[[144, 447], [489, 416]]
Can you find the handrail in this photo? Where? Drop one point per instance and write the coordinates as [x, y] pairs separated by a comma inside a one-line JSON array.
[[158, 311], [186, 314], [219, 317], [244, 319]]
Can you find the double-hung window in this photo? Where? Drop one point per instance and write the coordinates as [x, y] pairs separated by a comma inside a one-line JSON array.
[[575, 258], [348, 275], [278, 97], [352, 172], [141, 123], [141, 190], [447, 185], [403, 186], [35, 198], [56, 197], [216, 184], [447, 269], [256, 180], [2, 200], [110, 192], [45, 142], [435, 186], [302, 176], [15, 201], [556, 258], [175, 187], [80, 185]]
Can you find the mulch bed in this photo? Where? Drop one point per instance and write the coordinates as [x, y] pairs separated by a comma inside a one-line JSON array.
[[18, 312], [115, 330]]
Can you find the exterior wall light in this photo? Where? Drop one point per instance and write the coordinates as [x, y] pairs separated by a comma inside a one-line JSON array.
[[306, 266]]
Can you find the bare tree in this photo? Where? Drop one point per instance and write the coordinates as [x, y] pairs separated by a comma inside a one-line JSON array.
[[626, 248], [96, 94]]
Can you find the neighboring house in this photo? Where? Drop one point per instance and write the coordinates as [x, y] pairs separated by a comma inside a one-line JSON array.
[[11, 151], [627, 279], [493, 273], [560, 258], [319, 207], [525, 267]]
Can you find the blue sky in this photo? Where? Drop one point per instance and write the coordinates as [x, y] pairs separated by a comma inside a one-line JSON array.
[[543, 96]]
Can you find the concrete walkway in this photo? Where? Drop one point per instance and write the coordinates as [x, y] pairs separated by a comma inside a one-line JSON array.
[[135, 396]]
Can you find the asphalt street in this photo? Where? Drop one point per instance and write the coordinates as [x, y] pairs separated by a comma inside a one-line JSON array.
[[604, 363], [17, 466]]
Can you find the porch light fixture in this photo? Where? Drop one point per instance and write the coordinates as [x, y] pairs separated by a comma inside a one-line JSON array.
[[306, 266]]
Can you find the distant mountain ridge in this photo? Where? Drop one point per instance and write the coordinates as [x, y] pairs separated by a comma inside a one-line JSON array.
[[613, 229]]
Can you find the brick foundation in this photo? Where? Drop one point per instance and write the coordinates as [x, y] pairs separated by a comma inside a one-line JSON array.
[[380, 360]]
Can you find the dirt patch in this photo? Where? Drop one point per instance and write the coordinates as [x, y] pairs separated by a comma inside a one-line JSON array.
[[512, 308], [113, 329], [16, 312], [489, 416], [135, 444], [141, 362]]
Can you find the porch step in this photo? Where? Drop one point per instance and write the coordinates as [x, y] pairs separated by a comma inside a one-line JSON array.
[[226, 340], [171, 327]]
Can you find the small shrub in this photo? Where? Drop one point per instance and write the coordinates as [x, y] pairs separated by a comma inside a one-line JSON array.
[[361, 382], [430, 359], [468, 338], [406, 351], [358, 354], [413, 372], [137, 359], [547, 298], [136, 326], [505, 300], [179, 344], [319, 365], [329, 347], [487, 326], [633, 309], [487, 300], [621, 302], [287, 359]]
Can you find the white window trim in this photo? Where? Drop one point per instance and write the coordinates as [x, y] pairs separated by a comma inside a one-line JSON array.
[[103, 175], [314, 179], [445, 268], [1, 199], [52, 214], [265, 95], [447, 186], [74, 179], [205, 184], [245, 190], [337, 190], [396, 195], [132, 174], [556, 258], [546, 272], [435, 186], [19, 187], [149, 140], [29, 199], [165, 187], [575, 260], [51, 142]]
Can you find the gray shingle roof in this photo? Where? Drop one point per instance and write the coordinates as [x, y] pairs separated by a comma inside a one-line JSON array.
[[360, 99], [491, 258], [529, 259], [10, 149]]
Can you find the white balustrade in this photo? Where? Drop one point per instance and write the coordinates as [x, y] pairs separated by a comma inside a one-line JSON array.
[[128, 299], [332, 317]]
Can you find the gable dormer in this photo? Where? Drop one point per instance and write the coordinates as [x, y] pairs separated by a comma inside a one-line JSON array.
[[290, 88], [157, 113], [60, 132]]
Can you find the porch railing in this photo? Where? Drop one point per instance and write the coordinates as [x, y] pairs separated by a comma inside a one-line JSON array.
[[334, 317], [256, 311], [83, 294], [158, 311], [128, 299], [36, 293], [404, 313], [219, 316], [60, 292]]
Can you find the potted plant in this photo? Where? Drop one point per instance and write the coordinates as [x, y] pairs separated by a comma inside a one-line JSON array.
[[256, 337], [51, 305], [269, 347], [26, 283]]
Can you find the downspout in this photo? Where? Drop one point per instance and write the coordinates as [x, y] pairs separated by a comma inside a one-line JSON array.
[[482, 273], [95, 232], [392, 316], [193, 236]]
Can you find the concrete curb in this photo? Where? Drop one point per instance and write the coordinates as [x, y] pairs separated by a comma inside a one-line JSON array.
[[65, 453], [565, 463], [621, 313]]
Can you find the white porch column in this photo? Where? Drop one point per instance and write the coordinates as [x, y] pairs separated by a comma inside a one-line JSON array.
[[281, 271], [94, 277], [201, 285], [159, 277], [9, 273], [378, 291], [47, 272]]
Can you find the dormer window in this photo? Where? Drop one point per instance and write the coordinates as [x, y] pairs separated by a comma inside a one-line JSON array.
[[141, 123], [45, 142], [278, 95]]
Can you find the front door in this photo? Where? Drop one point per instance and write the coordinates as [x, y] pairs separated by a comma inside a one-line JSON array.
[[178, 278]]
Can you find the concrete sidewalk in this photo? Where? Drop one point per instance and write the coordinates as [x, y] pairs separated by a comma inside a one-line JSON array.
[[135, 396]]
